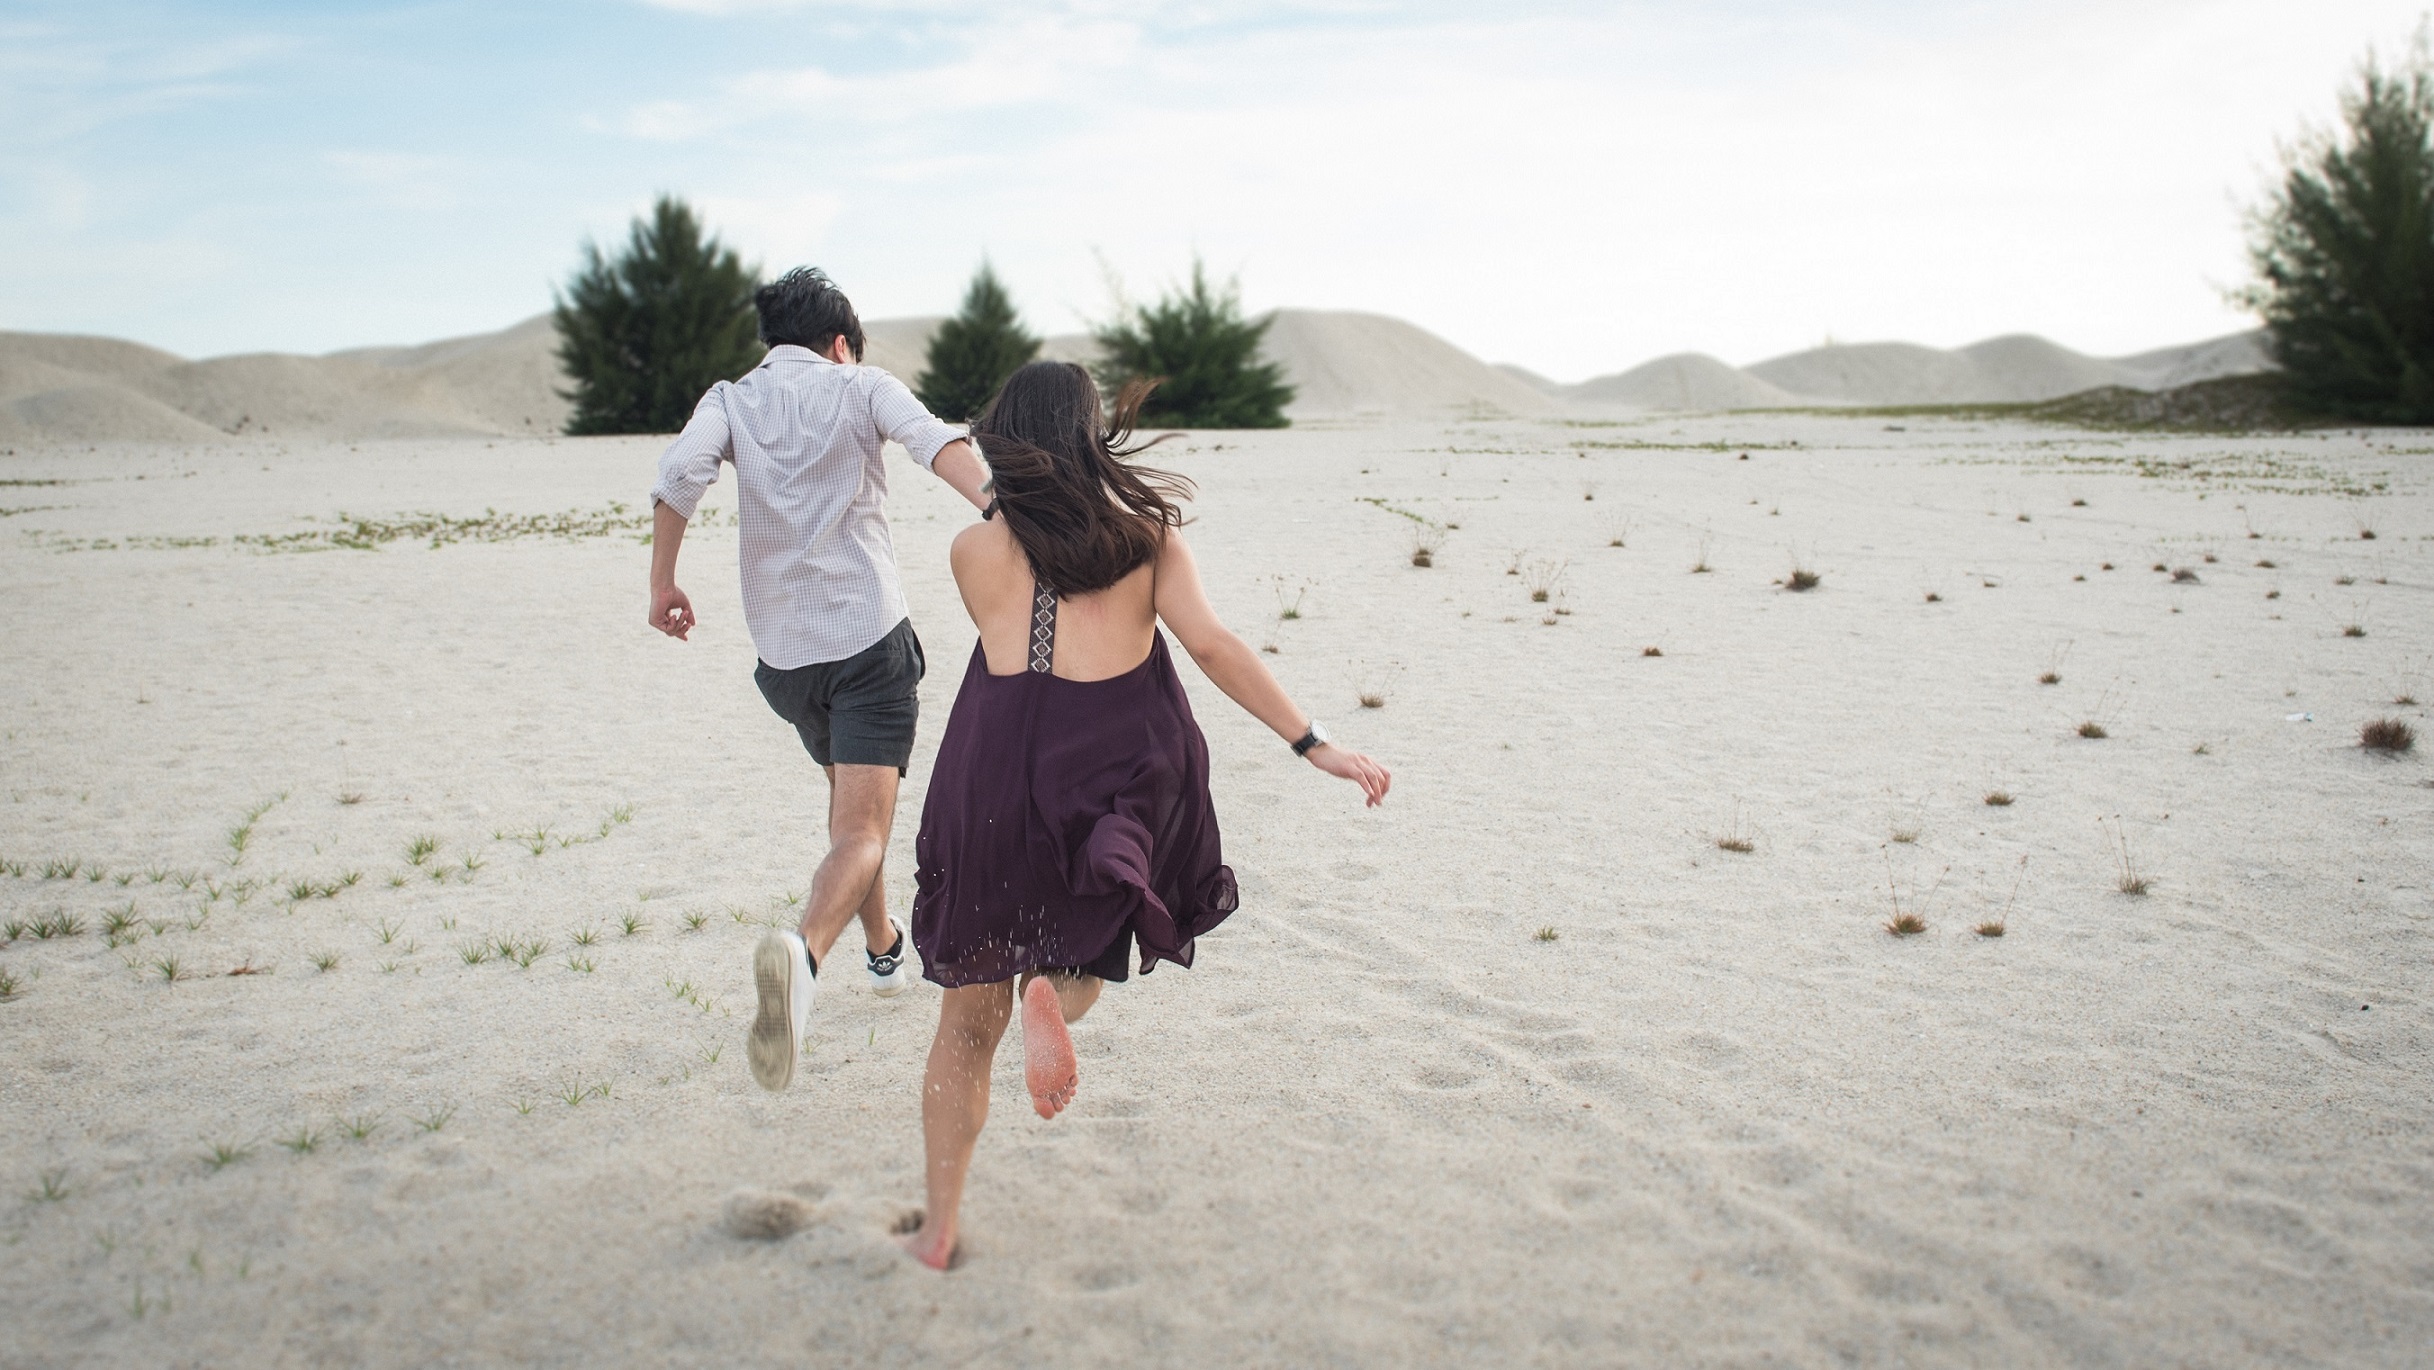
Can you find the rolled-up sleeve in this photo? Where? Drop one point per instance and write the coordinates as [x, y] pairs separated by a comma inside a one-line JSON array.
[[902, 418], [690, 465]]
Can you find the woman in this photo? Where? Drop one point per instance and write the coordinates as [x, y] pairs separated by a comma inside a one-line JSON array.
[[1068, 815]]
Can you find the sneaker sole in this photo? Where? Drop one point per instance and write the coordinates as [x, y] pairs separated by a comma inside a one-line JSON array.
[[770, 1046], [889, 987]]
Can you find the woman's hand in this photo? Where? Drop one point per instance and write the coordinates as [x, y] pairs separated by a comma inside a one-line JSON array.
[[1346, 764]]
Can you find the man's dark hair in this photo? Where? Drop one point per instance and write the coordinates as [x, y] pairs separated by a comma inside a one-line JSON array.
[[805, 308]]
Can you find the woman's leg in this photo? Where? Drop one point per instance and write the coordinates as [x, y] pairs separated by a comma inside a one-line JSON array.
[[954, 1105], [1051, 999]]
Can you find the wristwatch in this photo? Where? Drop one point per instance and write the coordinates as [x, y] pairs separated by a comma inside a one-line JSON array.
[[1313, 739]]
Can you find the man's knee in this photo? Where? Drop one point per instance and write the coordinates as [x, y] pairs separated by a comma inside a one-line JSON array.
[[859, 847]]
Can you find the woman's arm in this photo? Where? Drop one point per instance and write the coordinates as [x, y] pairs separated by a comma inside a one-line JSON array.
[[1233, 667]]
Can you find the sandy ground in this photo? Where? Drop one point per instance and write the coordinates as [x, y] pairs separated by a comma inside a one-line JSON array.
[[1523, 1069]]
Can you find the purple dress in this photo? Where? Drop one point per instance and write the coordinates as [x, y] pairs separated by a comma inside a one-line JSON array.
[[1067, 819]]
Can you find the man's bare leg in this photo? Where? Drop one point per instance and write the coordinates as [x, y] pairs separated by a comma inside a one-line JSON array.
[[861, 810], [877, 934], [954, 1106]]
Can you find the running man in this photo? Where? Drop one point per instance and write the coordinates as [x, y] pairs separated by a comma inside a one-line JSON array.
[[838, 656]]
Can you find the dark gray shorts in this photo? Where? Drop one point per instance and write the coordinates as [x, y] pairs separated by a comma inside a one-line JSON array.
[[857, 712]]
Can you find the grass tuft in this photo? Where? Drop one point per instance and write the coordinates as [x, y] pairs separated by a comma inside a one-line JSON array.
[[2390, 735], [1734, 838], [361, 1126], [2353, 630], [325, 961], [1999, 799], [693, 921], [633, 924], [2093, 730], [225, 1154], [1906, 836], [1544, 579], [2186, 575], [49, 1188], [60, 924], [303, 1143], [1372, 699], [436, 1119], [1992, 927], [1802, 579], [474, 953], [1905, 925], [170, 970], [9, 985], [2127, 878], [1548, 934]]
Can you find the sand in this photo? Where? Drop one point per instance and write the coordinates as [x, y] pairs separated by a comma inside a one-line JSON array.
[[1521, 1069]]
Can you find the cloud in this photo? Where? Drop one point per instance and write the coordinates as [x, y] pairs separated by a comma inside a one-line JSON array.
[[781, 230], [1030, 63], [405, 179]]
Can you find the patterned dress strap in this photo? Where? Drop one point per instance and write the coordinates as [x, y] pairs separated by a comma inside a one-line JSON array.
[[1043, 627]]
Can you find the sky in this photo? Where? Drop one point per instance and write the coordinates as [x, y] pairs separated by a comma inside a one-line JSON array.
[[1573, 187]]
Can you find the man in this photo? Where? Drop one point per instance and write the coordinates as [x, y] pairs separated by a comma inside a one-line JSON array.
[[838, 657]]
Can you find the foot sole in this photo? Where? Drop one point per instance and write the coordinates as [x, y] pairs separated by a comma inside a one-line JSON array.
[[770, 1046], [1049, 1069]]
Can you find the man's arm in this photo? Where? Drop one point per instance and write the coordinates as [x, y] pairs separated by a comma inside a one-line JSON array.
[[686, 470], [671, 611], [958, 465], [949, 455]]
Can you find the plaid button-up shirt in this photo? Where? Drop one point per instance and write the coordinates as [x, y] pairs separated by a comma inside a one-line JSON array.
[[804, 434]]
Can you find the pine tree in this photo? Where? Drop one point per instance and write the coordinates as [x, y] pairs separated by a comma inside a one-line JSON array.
[[972, 353], [2344, 253], [1205, 356], [644, 334]]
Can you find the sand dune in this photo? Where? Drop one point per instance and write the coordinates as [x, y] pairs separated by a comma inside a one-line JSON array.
[[62, 388], [1342, 364], [1685, 380], [2015, 368]]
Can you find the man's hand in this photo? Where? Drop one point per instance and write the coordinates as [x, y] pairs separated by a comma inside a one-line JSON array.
[[671, 612]]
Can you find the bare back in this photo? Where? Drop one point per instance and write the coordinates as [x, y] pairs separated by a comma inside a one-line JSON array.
[[1098, 635]]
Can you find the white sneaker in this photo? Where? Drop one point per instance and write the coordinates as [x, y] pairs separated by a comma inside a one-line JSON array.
[[782, 978], [889, 976]]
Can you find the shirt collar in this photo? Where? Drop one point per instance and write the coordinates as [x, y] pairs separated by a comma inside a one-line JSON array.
[[793, 352]]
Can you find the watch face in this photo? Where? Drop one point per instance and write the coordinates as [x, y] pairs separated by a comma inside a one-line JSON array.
[[1318, 730]]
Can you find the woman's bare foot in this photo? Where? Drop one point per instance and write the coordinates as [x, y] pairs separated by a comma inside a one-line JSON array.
[[1048, 1064], [930, 1246]]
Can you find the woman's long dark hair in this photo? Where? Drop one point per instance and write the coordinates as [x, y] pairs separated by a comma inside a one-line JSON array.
[[1084, 515]]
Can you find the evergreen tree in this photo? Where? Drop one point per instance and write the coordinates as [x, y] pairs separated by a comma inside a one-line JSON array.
[[1205, 356], [2344, 253], [644, 334], [972, 354]]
